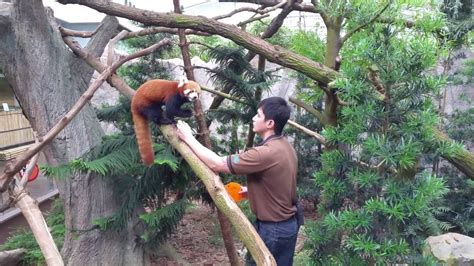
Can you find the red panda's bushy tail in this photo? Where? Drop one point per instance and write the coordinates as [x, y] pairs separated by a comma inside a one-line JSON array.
[[142, 131]]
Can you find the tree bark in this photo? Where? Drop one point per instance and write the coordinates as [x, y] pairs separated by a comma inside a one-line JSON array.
[[47, 79]]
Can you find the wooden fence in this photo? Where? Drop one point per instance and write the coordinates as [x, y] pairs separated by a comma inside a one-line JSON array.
[[15, 130]]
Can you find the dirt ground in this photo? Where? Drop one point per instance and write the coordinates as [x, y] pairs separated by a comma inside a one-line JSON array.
[[198, 241]]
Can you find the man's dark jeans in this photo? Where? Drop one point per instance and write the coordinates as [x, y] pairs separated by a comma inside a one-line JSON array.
[[280, 239]]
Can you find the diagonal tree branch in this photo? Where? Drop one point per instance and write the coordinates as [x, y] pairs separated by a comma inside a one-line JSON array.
[[310, 109]]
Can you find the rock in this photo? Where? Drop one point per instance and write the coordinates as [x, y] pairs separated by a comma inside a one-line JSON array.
[[452, 248]]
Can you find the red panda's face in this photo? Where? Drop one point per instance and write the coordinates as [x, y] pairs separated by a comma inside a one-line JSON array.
[[191, 90]]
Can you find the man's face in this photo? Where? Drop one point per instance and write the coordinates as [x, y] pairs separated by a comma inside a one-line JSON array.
[[259, 123]]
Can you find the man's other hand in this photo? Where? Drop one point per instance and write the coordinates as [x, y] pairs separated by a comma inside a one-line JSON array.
[[243, 192]]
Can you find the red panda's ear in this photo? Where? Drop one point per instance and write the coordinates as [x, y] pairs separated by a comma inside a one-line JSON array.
[[182, 81]]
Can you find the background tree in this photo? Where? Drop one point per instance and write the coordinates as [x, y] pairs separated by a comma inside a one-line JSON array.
[[41, 70]]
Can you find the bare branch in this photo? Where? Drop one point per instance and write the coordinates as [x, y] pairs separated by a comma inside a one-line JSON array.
[[377, 15], [304, 7], [225, 95], [303, 129], [111, 48], [95, 63], [240, 24], [238, 10], [279, 5], [74, 33], [310, 109], [201, 43]]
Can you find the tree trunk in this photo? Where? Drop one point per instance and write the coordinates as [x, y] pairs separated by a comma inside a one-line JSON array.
[[47, 80]]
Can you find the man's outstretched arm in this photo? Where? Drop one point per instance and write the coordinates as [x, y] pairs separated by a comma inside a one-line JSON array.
[[211, 159]]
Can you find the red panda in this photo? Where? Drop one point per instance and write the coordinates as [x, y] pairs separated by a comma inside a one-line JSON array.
[[147, 106]]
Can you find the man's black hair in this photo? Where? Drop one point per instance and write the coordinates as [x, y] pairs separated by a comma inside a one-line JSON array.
[[276, 109]]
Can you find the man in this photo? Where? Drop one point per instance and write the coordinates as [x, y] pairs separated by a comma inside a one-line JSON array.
[[271, 171]]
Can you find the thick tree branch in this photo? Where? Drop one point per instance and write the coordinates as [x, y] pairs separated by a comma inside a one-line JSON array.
[[148, 31], [276, 54], [153, 30]]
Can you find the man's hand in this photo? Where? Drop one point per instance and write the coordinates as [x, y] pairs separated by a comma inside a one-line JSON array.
[[243, 192], [184, 131]]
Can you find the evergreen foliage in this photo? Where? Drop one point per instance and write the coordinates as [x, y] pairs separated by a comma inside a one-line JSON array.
[[233, 71], [378, 204]]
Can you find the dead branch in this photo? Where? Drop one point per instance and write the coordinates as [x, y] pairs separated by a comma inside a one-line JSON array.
[[310, 109], [250, 20], [202, 44], [225, 95], [307, 131], [111, 48], [238, 10], [74, 33], [270, 9], [95, 63]]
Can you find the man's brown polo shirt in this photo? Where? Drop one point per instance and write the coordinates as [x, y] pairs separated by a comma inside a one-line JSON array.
[[271, 170]]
